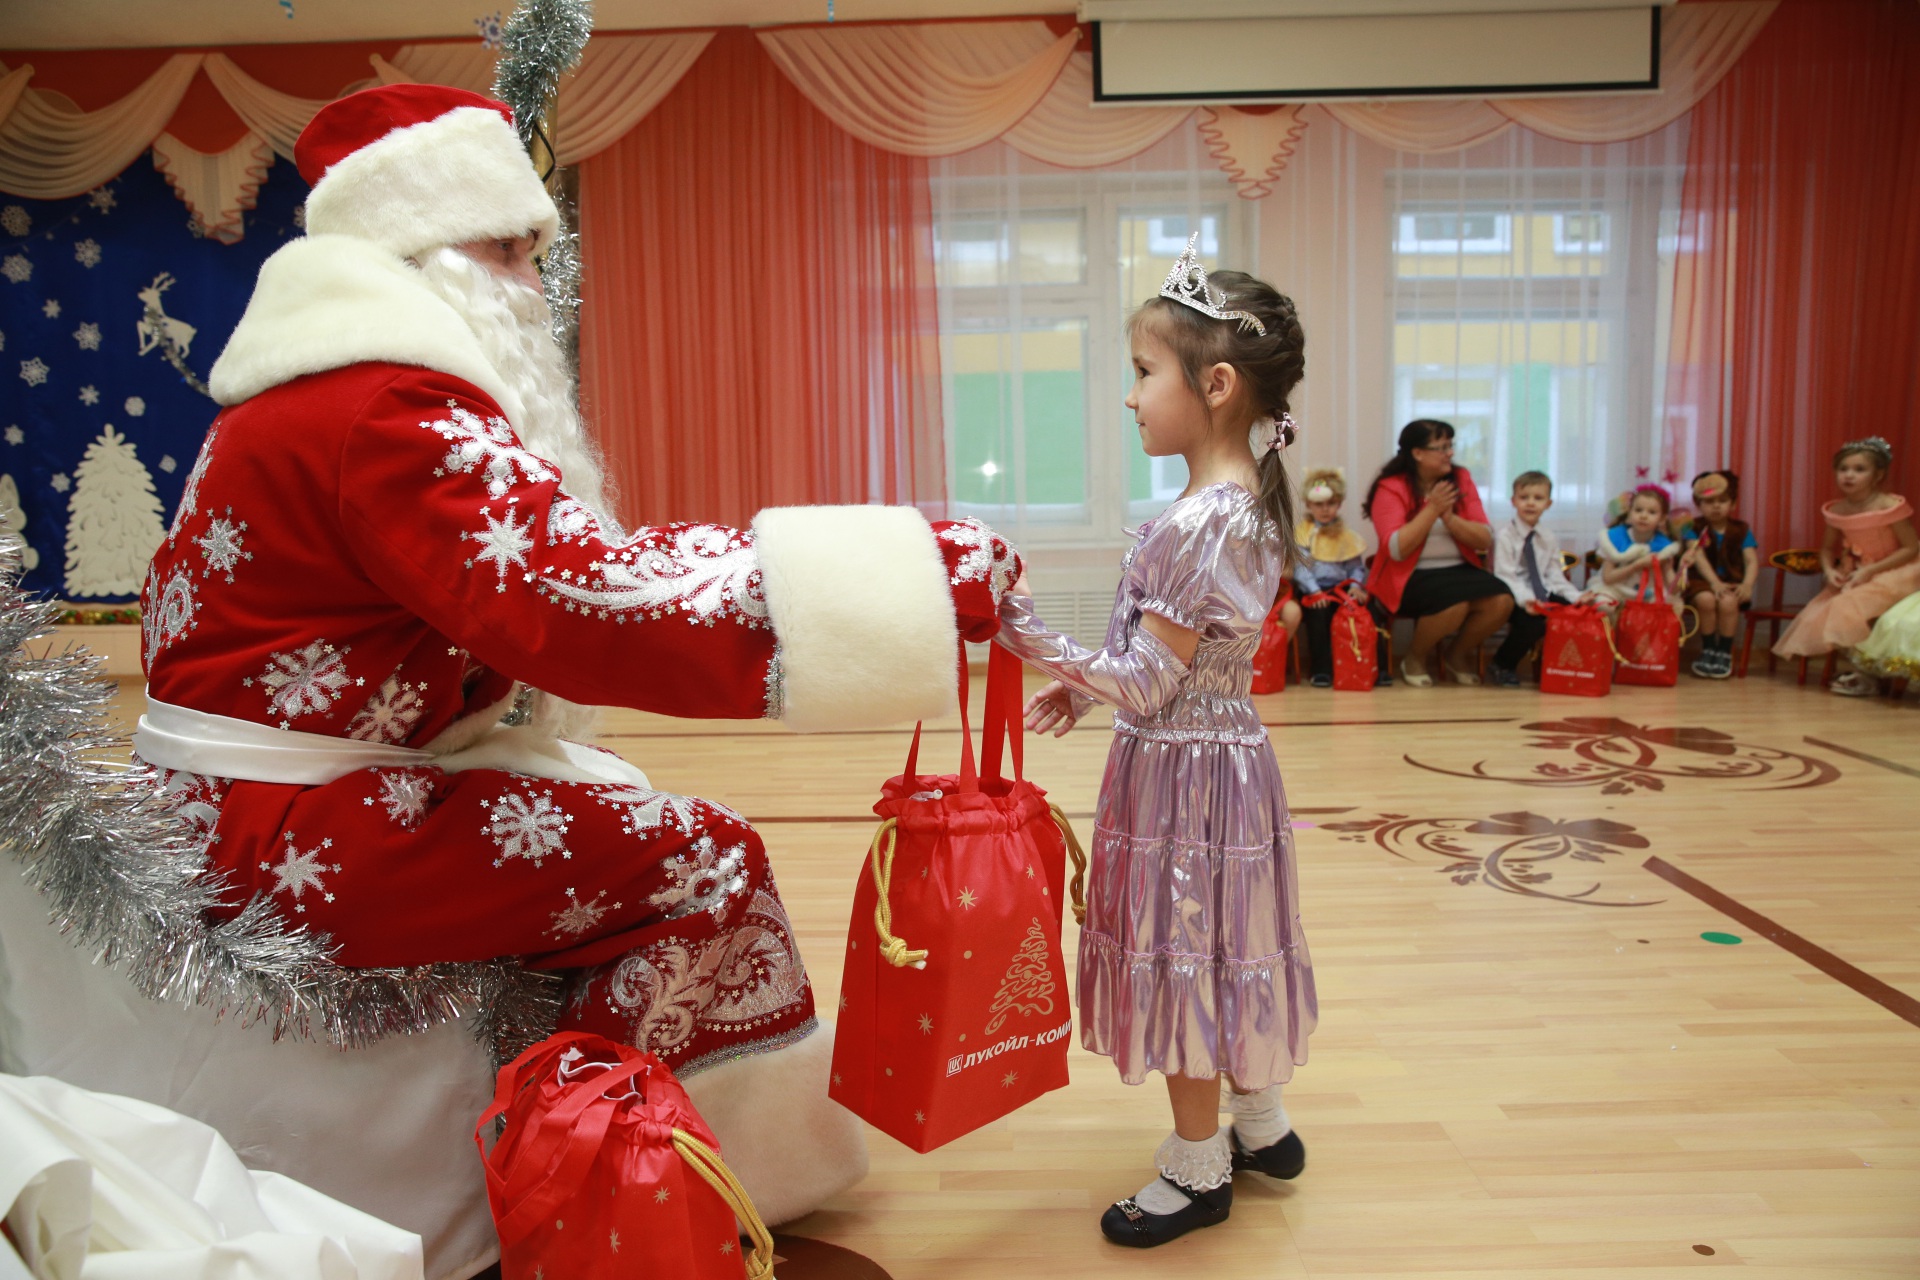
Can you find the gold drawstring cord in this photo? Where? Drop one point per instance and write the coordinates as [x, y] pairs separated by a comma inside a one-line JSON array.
[[892, 949], [706, 1162], [1077, 889]]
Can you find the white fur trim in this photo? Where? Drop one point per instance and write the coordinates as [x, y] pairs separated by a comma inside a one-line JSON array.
[[326, 302], [860, 603], [461, 177], [791, 1146]]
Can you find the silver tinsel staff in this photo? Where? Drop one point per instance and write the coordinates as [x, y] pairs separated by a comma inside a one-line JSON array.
[[541, 42], [126, 878]]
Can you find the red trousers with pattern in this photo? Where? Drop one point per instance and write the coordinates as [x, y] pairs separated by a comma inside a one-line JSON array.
[[663, 905]]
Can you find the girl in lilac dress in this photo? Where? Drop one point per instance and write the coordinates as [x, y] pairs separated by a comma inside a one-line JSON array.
[[1192, 959]]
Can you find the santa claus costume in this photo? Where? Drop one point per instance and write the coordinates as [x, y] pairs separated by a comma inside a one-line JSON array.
[[394, 529]]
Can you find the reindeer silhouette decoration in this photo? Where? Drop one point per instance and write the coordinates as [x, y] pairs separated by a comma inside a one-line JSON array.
[[157, 328]]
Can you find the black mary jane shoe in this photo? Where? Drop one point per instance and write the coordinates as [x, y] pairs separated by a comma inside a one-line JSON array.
[[1128, 1224], [1283, 1159]]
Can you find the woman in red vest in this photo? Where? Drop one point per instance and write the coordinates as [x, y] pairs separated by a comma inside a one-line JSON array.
[[1430, 565]]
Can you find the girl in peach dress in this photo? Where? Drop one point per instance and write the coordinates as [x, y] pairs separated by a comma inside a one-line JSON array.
[[1871, 558]]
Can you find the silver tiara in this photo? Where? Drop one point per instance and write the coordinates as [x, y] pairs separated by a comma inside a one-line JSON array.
[[1876, 445], [1187, 285]]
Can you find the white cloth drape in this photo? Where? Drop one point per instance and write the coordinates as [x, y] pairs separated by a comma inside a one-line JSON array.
[[218, 188], [49, 150], [1065, 129]]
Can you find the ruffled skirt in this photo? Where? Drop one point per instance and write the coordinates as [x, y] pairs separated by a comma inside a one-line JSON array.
[[1842, 619], [1193, 961], [1893, 650]]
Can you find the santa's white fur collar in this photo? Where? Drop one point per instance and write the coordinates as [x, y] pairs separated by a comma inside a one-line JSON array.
[[329, 301]]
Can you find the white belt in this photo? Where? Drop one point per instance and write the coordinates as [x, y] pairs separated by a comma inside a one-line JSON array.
[[190, 741]]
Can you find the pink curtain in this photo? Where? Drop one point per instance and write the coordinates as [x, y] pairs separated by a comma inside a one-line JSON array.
[[758, 322], [1797, 287]]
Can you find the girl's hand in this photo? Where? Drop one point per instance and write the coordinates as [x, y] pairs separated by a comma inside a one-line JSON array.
[[1837, 578], [1020, 587], [1051, 708], [1359, 594], [1743, 593]]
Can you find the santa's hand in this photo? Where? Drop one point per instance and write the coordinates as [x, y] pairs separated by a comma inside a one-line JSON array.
[[981, 567]]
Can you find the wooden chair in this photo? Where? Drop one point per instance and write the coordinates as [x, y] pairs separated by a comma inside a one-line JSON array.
[[1800, 561], [1593, 563]]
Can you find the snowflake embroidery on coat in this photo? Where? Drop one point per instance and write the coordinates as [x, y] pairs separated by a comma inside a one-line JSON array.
[[648, 812], [297, 872], [487, 445], [404, 794], [391, 713], [190, 495], [527, 826], [504, 542], [578, 918], [306, 682], [703, 882], [704, 571], [171, 610], [194, 798], [988, 558], [221, 544], [570, 520]]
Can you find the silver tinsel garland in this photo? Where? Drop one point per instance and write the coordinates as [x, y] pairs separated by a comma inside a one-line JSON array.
[[127, 879], [541, 42]]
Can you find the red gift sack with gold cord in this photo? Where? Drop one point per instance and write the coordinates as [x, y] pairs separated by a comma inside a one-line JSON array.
[[954, 1000], [1577, 654], [1648, 636], [1270, 659], [605, 1170]]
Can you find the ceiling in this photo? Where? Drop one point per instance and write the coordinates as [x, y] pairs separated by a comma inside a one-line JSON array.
[[136, 24]]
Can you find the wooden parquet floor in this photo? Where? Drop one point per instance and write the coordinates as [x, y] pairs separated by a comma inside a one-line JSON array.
[[1528, 1063]]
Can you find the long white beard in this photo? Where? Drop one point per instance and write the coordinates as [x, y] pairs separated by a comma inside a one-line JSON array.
[[513, 327]]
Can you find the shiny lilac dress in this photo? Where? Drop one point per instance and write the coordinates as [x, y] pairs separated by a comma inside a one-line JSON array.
[[1192, 960]]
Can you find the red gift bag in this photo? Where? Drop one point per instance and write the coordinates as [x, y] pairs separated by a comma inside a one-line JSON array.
[[606, 1170], [1270, 659], [1648, 636], [1577, 654], [1356, 651], [954, 1000]]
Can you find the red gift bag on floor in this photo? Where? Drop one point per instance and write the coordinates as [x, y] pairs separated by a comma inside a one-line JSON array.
[[1270, 659], [605, 1170], [1356, 651], [1648, 636], [954, 1000], [1577, 654]]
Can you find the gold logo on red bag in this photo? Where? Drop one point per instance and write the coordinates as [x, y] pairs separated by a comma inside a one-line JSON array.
[[1027, 987]]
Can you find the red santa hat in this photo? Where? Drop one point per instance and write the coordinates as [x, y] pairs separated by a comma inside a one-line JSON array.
[[415, 166]]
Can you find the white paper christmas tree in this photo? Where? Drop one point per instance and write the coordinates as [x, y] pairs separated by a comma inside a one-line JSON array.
[[13, 520], [113, 520]]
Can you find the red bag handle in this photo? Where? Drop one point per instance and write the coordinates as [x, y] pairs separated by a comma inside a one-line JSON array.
[[1004, 723], [1659, 583], [565, 1144], [999, 685]]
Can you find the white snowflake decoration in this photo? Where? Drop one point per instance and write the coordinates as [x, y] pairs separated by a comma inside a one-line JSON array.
[[390, 714], [489, 28], [570, 520], [135, 407], [527, 826], [504, 542], [3, 341], [16, 268], [87, 253], [101, 199], [15, 220], [221, 544], [578, 918], [89, 395], [404, 794], [14, 434], [307, 682], [488, 446], [167, 464], [88, 336], [33, 372], [704, 882], [298, 872], [50, 308], [648, 812], [59, 482], [984, 561]]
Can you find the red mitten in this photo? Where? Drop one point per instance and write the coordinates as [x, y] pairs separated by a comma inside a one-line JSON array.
[[981, 565]]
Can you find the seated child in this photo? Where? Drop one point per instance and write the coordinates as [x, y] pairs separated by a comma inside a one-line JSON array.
[[1526, 556], [1330, 554], [1633, 542], [1726, 562]]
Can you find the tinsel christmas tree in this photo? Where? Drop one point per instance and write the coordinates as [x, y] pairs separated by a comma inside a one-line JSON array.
[[124, 877], [541, 42]]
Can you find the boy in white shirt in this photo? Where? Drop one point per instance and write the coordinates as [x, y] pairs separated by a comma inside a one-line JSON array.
[[1526, 556]]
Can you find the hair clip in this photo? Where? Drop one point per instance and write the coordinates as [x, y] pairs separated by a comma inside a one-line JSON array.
[[1187, 285]]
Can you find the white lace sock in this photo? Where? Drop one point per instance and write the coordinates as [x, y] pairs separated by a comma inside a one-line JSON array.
[[1258, 1118], [1199, 1166]]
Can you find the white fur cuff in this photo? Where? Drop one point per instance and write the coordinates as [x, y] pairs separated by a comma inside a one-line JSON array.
[[860, 603]]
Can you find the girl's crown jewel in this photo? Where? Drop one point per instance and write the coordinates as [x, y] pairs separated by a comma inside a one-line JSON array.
[[1187, 285], [1875, 445]]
